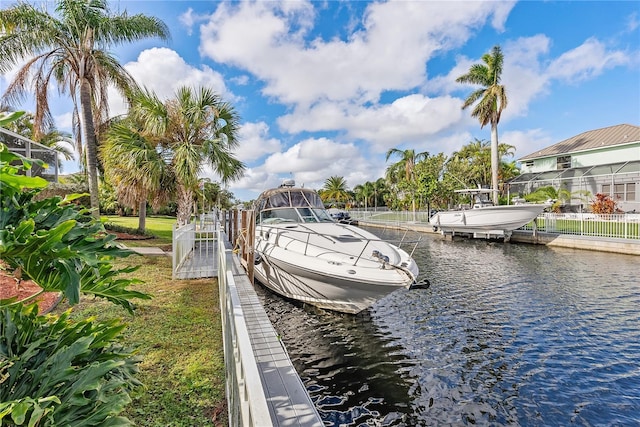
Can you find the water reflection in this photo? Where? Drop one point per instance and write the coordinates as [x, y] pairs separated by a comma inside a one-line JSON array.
[[507, 334]]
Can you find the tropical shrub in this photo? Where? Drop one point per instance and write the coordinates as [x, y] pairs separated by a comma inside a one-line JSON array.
[[603, 204], [55, 243], [54, 372]]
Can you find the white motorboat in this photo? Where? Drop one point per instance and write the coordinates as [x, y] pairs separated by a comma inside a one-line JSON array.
[[483, 219], [304, 254]]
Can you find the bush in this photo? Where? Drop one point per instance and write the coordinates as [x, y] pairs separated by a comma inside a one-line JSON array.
[[603, 204], [55, 372]]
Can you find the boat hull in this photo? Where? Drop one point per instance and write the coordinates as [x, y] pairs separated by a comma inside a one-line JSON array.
[[316, 272], [486, 220]]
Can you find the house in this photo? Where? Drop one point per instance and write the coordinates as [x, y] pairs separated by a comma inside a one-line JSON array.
[[604, 161], [32, 150]]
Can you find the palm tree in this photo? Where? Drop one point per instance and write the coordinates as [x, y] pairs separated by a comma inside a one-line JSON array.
[[71, 50], [365, 191], [335, 190], [194, 128], [408, 160], [136, 167], [7, 117], [474, 158], [379, 190], [492, 99]]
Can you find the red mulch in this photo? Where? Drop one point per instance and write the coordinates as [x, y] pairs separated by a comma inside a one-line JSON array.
[[127, 236], [12, 287]]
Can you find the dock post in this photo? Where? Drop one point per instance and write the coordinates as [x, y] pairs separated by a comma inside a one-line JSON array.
[[248, 231]]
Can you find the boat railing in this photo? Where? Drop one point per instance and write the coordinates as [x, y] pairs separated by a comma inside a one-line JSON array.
[[291, 234]]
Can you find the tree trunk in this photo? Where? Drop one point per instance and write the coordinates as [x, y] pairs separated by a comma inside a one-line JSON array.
[[185, 205], [142, 216], [90, 146], [413, 206], [494, 162]]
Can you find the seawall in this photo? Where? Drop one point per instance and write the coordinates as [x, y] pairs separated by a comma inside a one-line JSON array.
[[603, 244]]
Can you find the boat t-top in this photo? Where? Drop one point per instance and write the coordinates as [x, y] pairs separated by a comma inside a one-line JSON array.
[[302, 253]]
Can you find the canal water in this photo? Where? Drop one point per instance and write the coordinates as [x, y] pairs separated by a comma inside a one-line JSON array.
[[507, 334]]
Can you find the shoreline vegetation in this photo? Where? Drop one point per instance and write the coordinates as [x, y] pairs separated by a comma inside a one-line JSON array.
[[178, 337]]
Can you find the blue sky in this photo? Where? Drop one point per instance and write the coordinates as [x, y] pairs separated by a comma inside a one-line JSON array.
[[326, 88]]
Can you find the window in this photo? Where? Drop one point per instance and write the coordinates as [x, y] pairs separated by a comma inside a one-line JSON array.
[[631, 192], [563, 162], [621, 192]]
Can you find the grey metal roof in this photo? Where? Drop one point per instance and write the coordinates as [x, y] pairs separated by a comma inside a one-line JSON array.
[[599, 138]]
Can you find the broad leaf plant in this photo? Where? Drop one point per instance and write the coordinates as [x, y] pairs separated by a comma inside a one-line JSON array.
[[55, 371]]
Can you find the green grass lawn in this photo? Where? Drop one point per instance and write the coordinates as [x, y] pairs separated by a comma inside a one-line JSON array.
[[178, 336], [160, 226]]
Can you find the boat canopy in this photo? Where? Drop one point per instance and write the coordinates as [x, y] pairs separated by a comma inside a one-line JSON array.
[[286, 197]]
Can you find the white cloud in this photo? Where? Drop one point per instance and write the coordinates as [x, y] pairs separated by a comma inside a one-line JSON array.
[[408, 119], [256, 180], [527, 141], [311, 155], [388, 54], [163, 70], [64, 121], [312, 161], [189, 19], [586, 61], [255, 142]]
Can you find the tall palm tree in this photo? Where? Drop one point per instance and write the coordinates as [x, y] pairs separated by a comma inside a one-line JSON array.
[[335, 190], [366, 192], [379, 190], [492, 99], [408, 160], [136, 167], [71, 50], [194, 128]]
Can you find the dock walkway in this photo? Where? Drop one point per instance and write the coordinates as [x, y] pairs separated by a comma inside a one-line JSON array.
[[263, 387], [287, 399]]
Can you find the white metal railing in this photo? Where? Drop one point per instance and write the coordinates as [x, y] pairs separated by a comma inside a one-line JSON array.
[[194, 248], [32, 150], [247, 402], [390, 217], [616, 226], [183, 242]]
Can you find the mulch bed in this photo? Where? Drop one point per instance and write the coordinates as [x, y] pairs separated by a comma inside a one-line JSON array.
[[127, 236], [11, 286]]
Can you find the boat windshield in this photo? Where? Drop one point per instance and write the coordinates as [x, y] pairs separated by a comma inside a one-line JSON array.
[[295, 205], [293, 215]]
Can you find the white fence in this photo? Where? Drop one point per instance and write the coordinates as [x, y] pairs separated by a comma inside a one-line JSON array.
[[391, 217], [194, 248], [615, 226]]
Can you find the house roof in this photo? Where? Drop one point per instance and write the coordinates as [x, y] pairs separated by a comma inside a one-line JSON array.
[[599, 138]]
